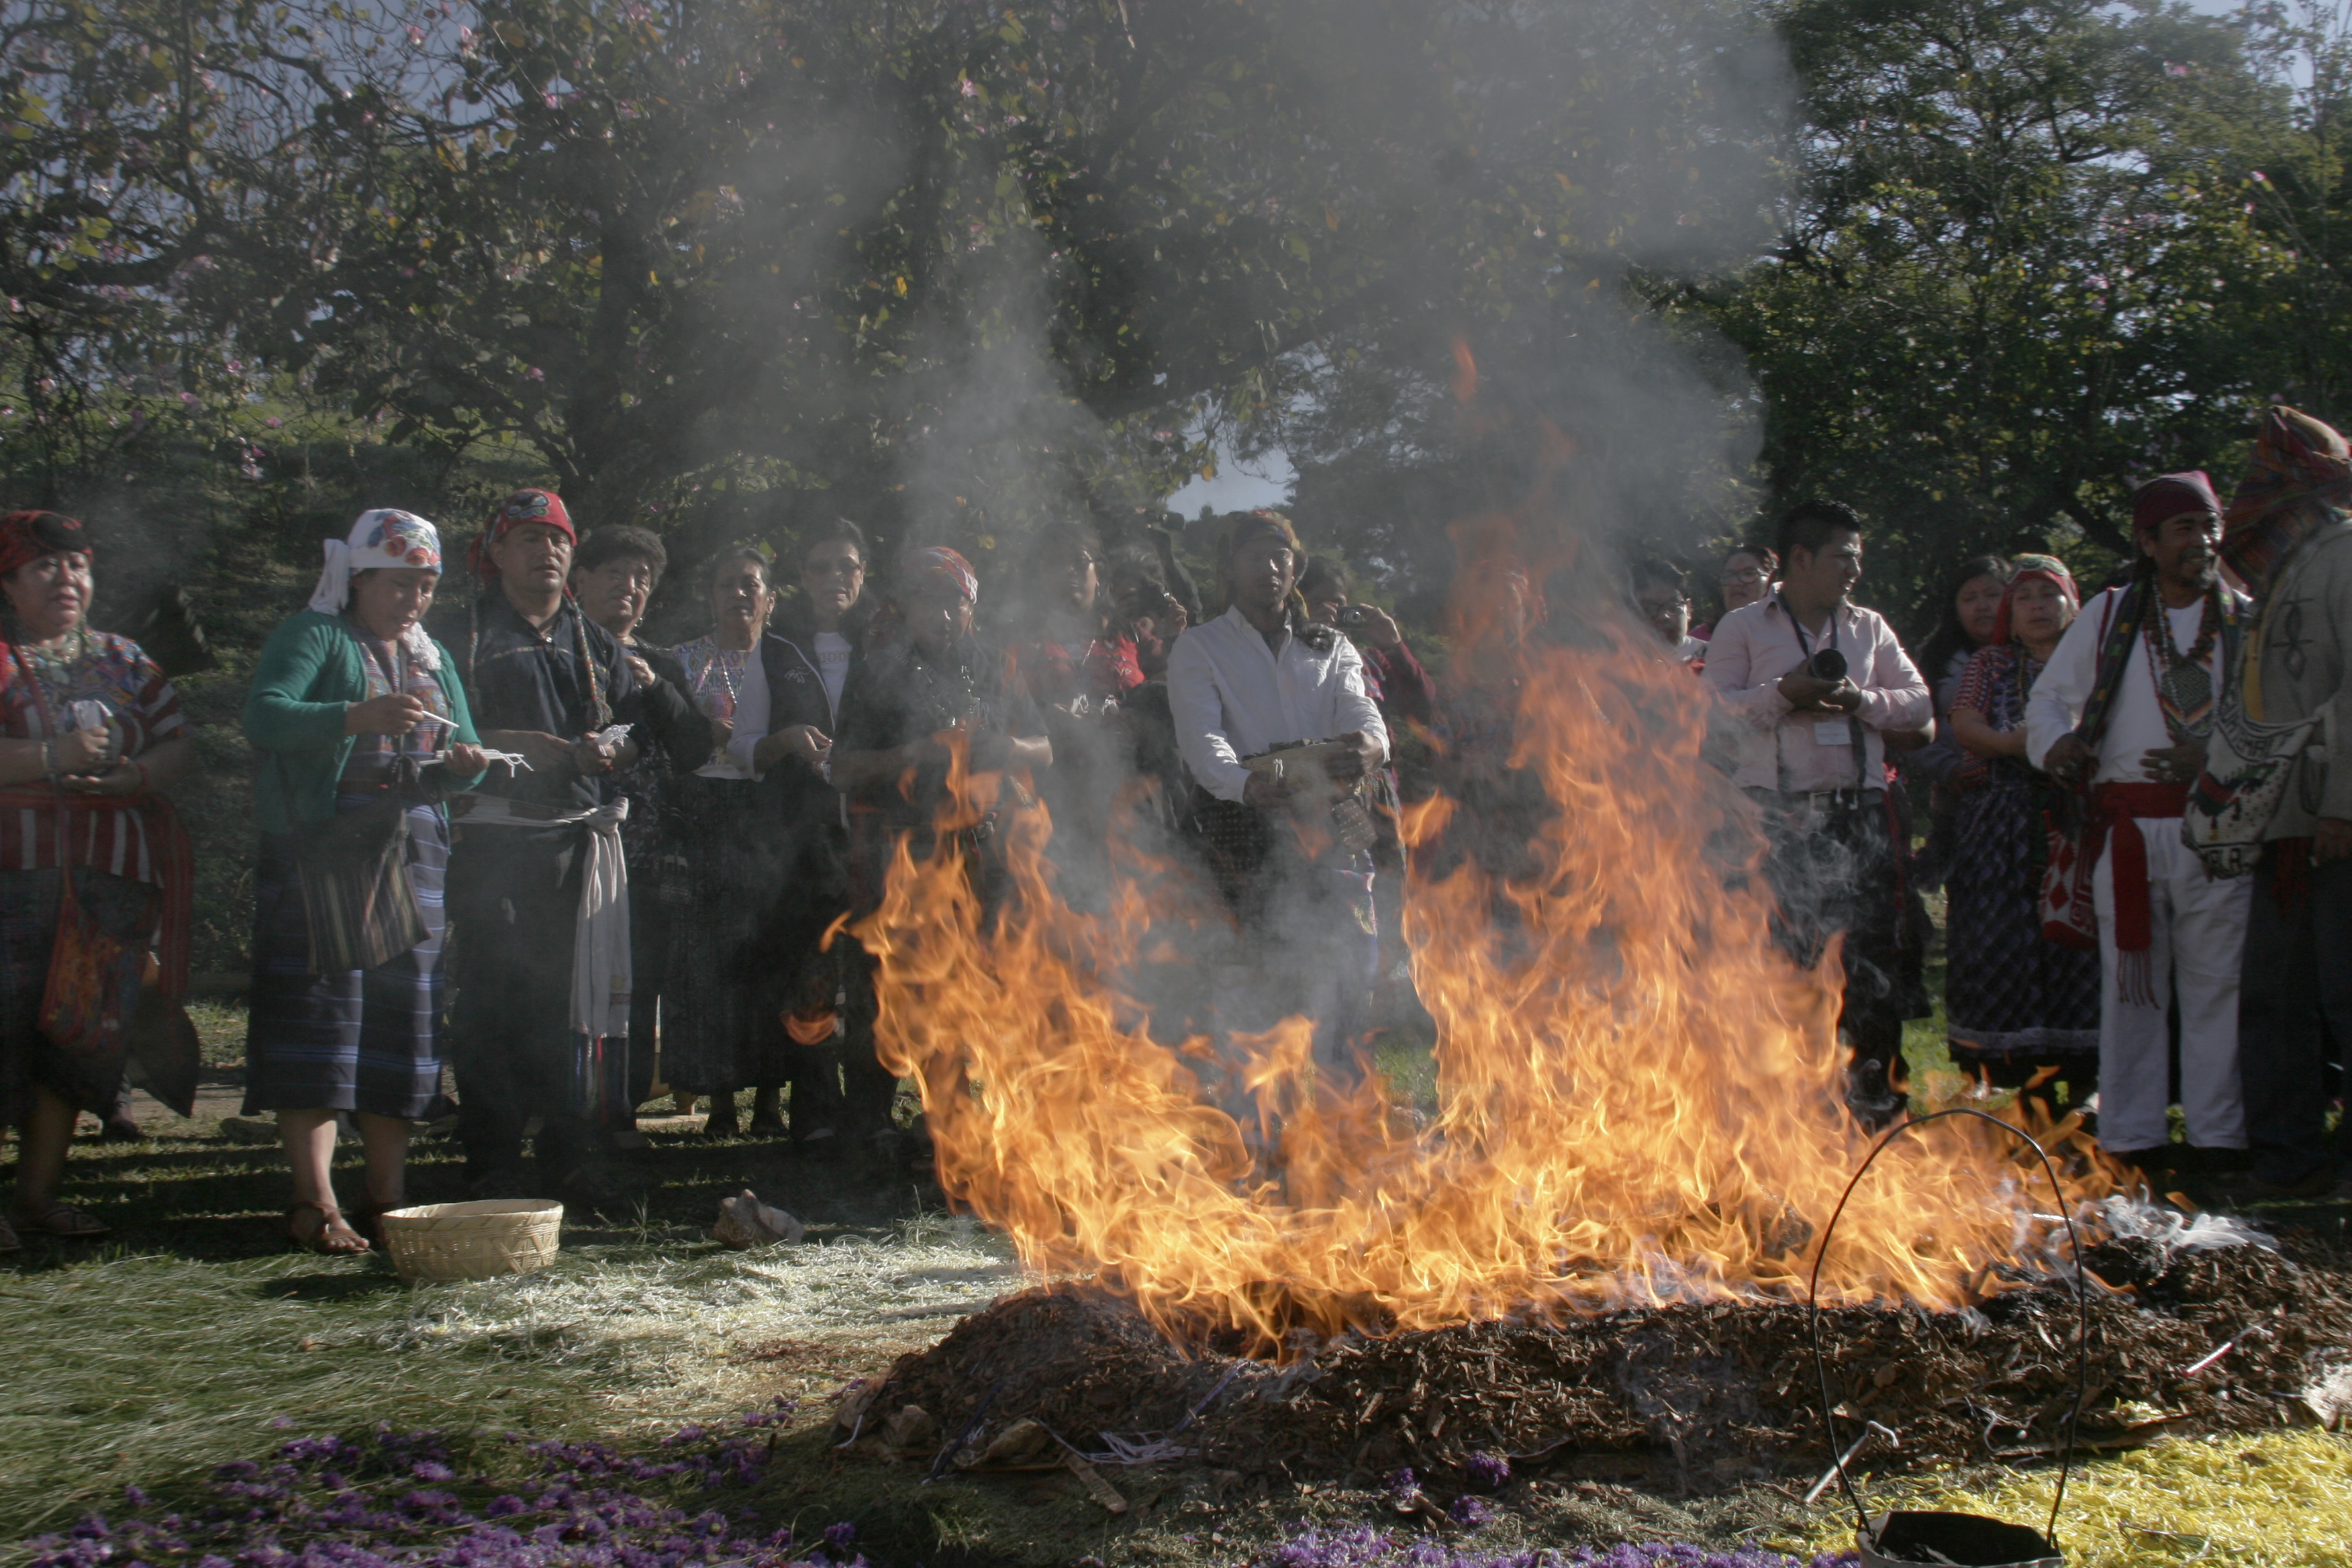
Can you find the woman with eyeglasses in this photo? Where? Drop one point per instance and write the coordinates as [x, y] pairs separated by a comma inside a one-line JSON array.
[[615, 574], [1747, 577]]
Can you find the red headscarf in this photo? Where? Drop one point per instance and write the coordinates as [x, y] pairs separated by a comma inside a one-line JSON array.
[[2032, 569], [544, 506], [938, 566], [26, 536]]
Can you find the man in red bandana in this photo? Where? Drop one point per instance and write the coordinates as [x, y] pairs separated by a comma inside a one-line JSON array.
[[538, 882], [2126, 704]]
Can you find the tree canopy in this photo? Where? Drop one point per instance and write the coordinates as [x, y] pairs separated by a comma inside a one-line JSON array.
[[957, 267]]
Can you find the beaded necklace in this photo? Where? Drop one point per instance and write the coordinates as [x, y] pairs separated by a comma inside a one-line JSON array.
[[2184, 687], [55, 670], [730, 664]]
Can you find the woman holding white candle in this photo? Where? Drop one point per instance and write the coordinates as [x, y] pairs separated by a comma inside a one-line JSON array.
[[353, 703]]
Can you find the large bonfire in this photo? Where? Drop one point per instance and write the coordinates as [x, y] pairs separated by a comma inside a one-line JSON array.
[[1639, 1096]]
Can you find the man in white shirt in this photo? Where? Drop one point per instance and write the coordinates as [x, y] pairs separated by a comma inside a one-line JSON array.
[[1260, 677], [1812, 683], [2128, 701]]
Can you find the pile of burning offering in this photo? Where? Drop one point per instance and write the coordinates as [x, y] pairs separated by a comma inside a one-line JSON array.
[[1593, 1253], [1699, 1396]]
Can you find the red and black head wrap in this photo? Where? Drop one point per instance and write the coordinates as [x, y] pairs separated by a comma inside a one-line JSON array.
[[542, 507], [26, 536]]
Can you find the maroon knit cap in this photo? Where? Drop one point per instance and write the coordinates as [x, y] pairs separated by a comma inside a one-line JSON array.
[[2168, 497]]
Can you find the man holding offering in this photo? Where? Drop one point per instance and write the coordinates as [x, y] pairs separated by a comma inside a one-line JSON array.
[[537, 886], [1259, 679]]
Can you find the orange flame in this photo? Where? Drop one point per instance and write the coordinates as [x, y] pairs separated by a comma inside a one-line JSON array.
[[1639, 1097]]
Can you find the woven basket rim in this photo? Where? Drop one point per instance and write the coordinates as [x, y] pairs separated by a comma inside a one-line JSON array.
[[479, 1213]]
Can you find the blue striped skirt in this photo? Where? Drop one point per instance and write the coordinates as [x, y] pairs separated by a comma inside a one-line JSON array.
[[366, 1040]]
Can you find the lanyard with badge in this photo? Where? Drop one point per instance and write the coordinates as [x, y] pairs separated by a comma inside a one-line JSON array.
[[1842, 731]]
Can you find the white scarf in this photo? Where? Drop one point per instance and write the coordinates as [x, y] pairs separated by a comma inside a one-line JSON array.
[[385, 537]]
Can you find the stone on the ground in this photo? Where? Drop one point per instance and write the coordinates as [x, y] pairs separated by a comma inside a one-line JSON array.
[[744, 1223]]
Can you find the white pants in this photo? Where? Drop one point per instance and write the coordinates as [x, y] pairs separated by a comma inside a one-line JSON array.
[[2197, 934]]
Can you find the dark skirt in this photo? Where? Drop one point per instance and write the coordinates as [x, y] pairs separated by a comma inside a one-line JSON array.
[[714, 1040], [2013, 997], [366, 1040], [124, 909]]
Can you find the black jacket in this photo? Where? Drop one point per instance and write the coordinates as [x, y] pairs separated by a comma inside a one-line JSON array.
[[796, 696]]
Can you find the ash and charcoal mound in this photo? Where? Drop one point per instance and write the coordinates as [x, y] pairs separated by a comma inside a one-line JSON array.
[[1692, 1396]]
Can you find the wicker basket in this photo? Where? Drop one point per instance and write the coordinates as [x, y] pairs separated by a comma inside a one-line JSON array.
[[473, 1241]]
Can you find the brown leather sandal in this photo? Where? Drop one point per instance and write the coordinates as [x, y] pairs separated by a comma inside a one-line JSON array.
[[325, 1240]]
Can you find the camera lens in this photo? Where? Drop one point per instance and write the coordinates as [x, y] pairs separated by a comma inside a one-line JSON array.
[[1827, 665]]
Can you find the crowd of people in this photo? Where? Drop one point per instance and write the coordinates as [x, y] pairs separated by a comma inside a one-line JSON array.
[[510, 844]]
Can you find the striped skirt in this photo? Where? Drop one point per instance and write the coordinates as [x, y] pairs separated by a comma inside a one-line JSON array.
[[366, 1040]]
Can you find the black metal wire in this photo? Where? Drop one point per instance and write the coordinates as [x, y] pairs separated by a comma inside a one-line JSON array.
[[2082, 1310]]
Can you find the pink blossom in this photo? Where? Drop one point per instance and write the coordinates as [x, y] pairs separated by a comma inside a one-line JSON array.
[[236, 367], [535, 374], [273, 422], [416, 34], [967, 88], [188, 398]]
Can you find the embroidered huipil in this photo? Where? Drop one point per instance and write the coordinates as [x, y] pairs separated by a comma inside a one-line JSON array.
[[115, 672]]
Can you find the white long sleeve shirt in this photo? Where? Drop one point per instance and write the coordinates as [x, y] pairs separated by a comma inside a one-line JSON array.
[[1232, 697], [2134, 721], [1781, 749]]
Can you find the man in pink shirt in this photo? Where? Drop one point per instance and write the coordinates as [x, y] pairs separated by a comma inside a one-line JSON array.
[[1811, 684]]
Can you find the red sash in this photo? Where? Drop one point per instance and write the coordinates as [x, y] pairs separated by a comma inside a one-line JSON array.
[[2121, 804]]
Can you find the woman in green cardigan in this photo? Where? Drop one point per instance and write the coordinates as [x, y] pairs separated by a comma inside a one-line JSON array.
[[344, 690]]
